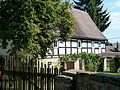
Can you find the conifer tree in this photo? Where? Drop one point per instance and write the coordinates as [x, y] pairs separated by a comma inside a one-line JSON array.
[[95, 9]]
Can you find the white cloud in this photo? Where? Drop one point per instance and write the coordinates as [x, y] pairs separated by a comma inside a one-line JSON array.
[[115, 20]]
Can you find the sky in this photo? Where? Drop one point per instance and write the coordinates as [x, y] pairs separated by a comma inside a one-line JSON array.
[[112, 33]]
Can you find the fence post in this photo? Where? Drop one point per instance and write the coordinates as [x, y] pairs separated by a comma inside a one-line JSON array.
[[48, 78], [42, 78], [29, 84], [35, 78]]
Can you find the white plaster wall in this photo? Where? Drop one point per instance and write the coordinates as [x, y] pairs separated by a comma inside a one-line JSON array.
[[103, 45], [74, 50], [84, 44], [55, 51], [67, 43], [84, 50], [100, 50], [89, 51], [89, 45], [68, 50], [61, 50], [79, 50], [103, 50], [77, 65], [74, 43], [96, 51], [93, 49], [96, 45], [55, 62], [61, 44]]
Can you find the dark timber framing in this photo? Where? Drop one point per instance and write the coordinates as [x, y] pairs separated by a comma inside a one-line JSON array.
[[77, 45]]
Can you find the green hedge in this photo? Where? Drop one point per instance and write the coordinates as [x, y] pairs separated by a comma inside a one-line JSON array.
[[92, 61]]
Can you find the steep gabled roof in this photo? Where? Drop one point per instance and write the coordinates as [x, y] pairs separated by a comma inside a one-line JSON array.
[[86, 28]]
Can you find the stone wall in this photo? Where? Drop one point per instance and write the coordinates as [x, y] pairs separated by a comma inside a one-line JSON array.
[[63, 82], [88, 81]]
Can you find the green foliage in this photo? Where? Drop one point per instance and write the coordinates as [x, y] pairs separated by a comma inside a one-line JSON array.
[[113, 74], [96, 12], [65, 58], [70, 57], [92, 61], [2, 60], [117, 62], [31, 25], [74, 56], [111, 66]]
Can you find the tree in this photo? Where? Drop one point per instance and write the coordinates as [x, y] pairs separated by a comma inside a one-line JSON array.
[[31, 24], [96, 12]]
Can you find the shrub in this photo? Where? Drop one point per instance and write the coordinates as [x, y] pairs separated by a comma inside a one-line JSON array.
[[117, 62], [74, 56], [65, 58], [112, 66], [92, 61]]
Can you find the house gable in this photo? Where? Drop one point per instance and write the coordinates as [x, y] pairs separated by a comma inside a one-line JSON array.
[[86, 38]]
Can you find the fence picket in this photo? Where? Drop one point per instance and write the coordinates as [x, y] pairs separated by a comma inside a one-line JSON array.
[[28, 76]]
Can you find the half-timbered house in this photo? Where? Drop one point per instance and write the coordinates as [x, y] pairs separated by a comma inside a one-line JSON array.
[[86, 38]]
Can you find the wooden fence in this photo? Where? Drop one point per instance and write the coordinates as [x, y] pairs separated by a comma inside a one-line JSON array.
[[27, 75]]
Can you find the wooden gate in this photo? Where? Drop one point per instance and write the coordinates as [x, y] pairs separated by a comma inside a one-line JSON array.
[[27, 76]]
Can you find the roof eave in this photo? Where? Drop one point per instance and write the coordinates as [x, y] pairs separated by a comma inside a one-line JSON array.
[[89, 38]]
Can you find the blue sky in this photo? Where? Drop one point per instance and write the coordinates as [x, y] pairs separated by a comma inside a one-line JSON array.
[[112, 33]]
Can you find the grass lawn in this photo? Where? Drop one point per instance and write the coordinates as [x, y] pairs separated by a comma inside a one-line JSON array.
[[113, 73]]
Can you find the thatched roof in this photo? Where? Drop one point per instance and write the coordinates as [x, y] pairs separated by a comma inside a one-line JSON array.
[[86, 28]]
